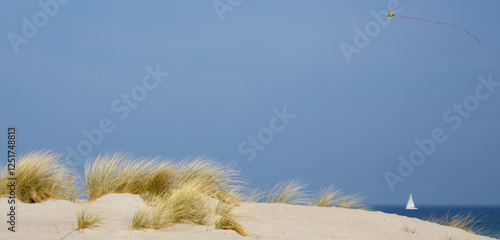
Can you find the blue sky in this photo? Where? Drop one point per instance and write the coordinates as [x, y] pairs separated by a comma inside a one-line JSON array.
[[272, 71]]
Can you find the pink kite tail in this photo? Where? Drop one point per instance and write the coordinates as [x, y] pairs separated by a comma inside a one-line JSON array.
[[453, 25]]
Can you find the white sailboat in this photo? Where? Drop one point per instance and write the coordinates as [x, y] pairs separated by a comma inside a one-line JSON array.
[[410, 205]]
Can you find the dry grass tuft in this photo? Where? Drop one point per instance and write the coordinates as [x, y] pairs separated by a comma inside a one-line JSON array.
[[213, 179], [289, 192], [184, 204], [142, 219], [41, 175], [228, 221], [328, 197], [187, 203], [88, 218], [334, 197], [465, 222], [121, 173]]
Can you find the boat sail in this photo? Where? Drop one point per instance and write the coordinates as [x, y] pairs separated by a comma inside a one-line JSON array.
[[410, 205]]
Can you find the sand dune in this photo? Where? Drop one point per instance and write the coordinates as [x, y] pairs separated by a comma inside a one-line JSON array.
[[54, 219]]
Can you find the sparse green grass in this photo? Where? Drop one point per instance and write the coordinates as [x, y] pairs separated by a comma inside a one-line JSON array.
[[289, 192], [88, 217], [407, 229], [228, 221], [466, 222], [41, 175], [332, 196]]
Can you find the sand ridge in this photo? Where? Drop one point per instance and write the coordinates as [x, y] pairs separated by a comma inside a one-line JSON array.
[[54, 219]]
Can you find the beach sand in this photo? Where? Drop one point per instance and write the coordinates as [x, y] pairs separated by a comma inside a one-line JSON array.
[[54, 219]]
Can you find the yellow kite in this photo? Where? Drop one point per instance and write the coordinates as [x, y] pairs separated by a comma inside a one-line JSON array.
[[391, 15]]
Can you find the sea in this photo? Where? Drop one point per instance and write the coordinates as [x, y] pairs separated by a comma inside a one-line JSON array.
[[488, 217]]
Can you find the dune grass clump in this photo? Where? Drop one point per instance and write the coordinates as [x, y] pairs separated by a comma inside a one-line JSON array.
[[327, 197], [88, 218], [465, 222], [41, 175], [228, 220], [142, 219], [121, 173], [289, 192], [183, 204], [332, 196], [230, 223], [187, 203], [213, 179], [190, 189], [174, 193]]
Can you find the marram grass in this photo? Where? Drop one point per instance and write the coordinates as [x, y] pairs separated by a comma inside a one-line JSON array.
[[142, 219], [215, 180], [293, 192], [332, 196], [289, 192], [41, 175], [230, 223], [187, 201], [227, 220], [465, 222], [88, 218], [327, 197], [184, 204], [121, 173]]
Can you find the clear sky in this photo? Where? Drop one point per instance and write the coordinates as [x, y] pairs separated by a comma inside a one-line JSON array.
[[325, 91]]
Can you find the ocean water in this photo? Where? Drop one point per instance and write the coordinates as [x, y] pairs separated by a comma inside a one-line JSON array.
[[488, 217]]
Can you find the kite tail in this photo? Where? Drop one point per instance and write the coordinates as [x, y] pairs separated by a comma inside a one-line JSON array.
[[453, 25]]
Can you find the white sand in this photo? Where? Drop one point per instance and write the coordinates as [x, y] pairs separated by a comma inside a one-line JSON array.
[[54, 219]]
